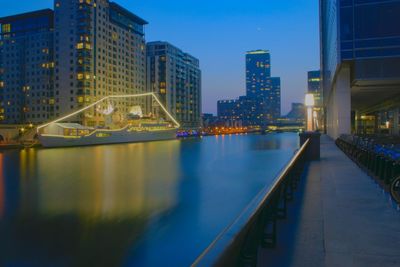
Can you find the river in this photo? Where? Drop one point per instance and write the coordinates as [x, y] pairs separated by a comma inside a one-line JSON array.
[[143, 204]]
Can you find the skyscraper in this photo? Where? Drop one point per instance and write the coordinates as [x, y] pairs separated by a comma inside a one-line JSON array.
[[176, 77], [262, 90], [26, 68], [53, 63], [258, 70], [360, 63], [99, 51], [314, 86]]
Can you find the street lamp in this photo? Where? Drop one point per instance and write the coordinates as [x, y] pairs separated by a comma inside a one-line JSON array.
[[309, 104]]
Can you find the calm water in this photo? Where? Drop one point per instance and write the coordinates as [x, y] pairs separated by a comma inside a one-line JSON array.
[[148, 204]]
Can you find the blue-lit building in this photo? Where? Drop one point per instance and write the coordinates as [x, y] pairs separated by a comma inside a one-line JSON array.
[[258, 70], [262, 90], [314, 86], [360, 65], [228, 109], [26, 67], [261, 106]]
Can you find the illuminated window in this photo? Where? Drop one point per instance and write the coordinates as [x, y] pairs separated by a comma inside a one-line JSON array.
[[80, 99], [80, 76], [79, 45], [6, 28], [1, 84], [102, 135]]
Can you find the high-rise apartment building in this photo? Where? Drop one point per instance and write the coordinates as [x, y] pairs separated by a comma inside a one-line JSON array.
[[26, 68], [176, 78], [99, 50], [360, 64], [262, 89], [55, 62], [258, 70], [314, 83], [314, 86], [261, 105]]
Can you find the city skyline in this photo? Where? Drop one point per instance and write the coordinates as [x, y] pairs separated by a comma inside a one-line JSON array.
[[276, 27]]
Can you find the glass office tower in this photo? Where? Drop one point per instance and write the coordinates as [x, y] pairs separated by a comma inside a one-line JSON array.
[[360, 62]]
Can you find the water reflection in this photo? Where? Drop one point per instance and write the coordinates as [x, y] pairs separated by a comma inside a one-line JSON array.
[[84, 206], [150, 204]]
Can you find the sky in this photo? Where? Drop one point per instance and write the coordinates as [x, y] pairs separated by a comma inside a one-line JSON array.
[[219, 32]]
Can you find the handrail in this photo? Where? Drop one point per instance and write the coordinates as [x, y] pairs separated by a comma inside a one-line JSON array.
[[235, 233]]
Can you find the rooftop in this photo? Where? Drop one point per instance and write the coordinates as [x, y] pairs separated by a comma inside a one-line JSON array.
[[257, 52], [127, 13], [33, 14]]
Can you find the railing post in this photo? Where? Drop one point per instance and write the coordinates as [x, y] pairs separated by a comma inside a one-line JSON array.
[[313, 149]]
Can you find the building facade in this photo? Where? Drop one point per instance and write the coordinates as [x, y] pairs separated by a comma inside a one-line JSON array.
[[314, 83], [314, 86], [55, 62], [227, 109], [360, 63], [26, 68], [176, 78], [99, 50]]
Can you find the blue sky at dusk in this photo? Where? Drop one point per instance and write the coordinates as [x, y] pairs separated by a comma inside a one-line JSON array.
[[219, 32]]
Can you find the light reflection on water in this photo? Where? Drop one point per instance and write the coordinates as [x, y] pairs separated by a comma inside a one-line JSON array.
[[147, 204]]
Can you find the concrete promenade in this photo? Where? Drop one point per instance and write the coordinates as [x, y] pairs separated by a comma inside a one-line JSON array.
[[340, 217]]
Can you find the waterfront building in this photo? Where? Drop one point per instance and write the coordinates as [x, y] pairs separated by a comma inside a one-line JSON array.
[[258, 70], [176, 78], [262, 90], [53, 63], [209, 120], [229, 112], [360, 65], [227, 109], [26, 68], [99, 51], [314, 86]]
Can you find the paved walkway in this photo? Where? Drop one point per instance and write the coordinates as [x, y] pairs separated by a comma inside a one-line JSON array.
[[341, 218]]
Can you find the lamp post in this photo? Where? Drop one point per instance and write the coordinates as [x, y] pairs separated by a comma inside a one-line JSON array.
[[313, 149], [309, 101]]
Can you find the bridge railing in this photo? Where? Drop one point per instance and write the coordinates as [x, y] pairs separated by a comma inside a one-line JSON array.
[[237, 245]]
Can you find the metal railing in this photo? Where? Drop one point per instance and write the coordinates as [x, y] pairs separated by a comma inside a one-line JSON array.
[[237, 245]]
